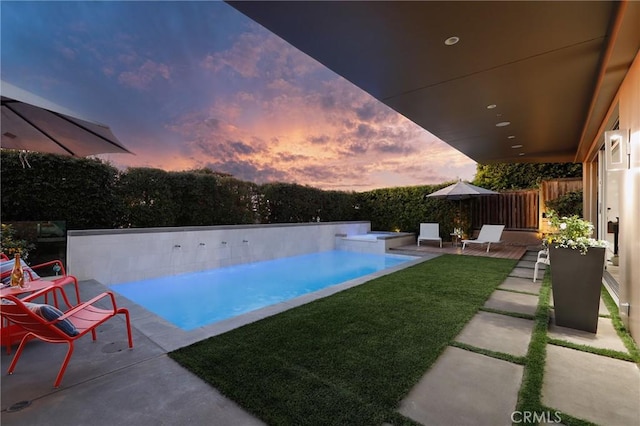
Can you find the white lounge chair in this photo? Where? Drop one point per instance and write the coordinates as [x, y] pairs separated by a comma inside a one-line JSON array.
[[488, 234], [429, 232], [543, 259]]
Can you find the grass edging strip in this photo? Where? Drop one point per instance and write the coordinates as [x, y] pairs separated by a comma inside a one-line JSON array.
[[518, 291], [610, 353], [349, 358], [622, 331], [520, 360], [508, 313], [530, 395]]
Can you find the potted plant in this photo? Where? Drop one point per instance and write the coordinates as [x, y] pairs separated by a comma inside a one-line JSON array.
[[577, 263], [10, 244]]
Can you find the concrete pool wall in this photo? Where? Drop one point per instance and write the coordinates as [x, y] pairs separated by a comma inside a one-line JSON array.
[[113, 256]]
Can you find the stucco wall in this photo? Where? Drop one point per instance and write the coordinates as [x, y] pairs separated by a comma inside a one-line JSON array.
[[629, 244], [115, 256]]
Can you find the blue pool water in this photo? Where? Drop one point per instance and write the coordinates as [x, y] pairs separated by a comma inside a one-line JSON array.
[[200, 298]]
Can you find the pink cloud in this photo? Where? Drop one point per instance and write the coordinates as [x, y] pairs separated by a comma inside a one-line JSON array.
[[258, 50], [350, 141], [322, 131], [144, 75]]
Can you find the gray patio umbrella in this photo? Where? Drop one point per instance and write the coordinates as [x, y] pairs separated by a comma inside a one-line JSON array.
[[461, 191], [32, 123]]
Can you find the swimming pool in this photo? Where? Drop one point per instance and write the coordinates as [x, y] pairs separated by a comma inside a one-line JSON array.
[[196, 299]]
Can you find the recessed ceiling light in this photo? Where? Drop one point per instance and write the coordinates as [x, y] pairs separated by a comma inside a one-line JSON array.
[[452, 40], [503, 123], [511, 137], [521, 154], [492, 106], [516, 146]]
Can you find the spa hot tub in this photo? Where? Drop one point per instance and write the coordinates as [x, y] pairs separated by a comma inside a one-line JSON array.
[[374, 242]]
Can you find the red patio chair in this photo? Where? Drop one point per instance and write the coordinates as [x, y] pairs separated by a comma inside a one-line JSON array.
[[12, 334], [84, 317]]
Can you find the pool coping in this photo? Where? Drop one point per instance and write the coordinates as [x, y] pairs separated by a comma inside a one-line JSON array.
[[182, 229], [169, 337]]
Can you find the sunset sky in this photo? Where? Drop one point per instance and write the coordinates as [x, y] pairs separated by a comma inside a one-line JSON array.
[[197, 84]]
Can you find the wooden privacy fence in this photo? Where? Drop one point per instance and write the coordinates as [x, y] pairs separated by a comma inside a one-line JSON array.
[[520, 210], [552, 189], [517, 210]]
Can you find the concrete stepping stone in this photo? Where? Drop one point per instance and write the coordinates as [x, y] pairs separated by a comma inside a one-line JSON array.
[[522, 273], [524, 263], [509, 301], [596, 388], [528, 264], [605, 338], [521, 284], [530, 256], [465, 388], [499, 333]]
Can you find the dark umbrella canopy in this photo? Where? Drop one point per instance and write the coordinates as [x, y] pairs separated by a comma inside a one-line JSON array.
[[32, 123]]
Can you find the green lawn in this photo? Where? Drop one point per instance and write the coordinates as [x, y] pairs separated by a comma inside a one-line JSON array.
[[351, 357]]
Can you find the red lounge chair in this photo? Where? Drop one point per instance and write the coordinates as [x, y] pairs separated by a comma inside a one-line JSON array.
[[85, 318]]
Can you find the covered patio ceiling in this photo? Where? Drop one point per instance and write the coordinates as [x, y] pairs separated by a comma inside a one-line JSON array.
[[552, 69]]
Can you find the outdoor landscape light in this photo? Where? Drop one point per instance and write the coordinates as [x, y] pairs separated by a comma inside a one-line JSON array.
[[616, 148]]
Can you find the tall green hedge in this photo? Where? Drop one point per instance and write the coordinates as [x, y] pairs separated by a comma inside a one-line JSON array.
[[89, 194], [148, 198], [404, 208], [292, 203], [78, 190]]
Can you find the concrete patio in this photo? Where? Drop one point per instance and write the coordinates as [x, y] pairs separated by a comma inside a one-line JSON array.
[[468, 388], [107, 384]]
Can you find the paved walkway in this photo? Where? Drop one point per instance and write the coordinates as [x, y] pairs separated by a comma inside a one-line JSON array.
[[468, 388], [108, 384]]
